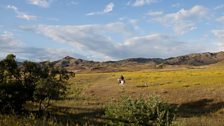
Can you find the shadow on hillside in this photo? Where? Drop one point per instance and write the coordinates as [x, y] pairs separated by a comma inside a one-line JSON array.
[[88, 116], [95, 116], [199, 108], [83, 116], [91, 116]]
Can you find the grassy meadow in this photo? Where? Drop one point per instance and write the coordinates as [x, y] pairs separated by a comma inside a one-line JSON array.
[[196, 92]]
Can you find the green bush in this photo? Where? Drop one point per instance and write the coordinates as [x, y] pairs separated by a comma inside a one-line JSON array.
[[150, 111]]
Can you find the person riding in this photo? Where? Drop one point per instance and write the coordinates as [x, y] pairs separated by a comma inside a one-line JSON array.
[[121, 80]]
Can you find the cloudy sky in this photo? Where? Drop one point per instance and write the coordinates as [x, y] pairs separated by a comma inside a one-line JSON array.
[[110, 29]]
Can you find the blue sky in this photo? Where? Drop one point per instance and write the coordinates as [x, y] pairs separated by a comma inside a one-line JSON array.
[[110, 29]]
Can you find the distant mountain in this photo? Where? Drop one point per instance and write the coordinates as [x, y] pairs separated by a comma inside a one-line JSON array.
[[70, 61], [75, 64], [197, 59], [144, 60], [133, 64], [108, 66]]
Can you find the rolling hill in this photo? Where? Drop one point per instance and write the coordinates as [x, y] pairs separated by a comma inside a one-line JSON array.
[[133, 64]]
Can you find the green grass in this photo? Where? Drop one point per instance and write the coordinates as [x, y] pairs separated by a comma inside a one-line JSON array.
[[197, 93]]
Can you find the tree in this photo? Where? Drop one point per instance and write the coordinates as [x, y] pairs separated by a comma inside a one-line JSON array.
[[9, 68], [30, 73], [48, 89], [30, 82], [44, 82], [50, 85], [12, 91]]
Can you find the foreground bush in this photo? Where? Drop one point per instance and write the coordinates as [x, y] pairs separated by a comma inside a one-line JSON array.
[[150, 111]]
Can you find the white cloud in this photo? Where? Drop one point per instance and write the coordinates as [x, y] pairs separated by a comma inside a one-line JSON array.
[[153, 45], [184, 20], [219, 33], [73, 3], [138, 3], [44, 54], [9, 43], [175, 5], [20, 14], [90, 39], [155, 13], [40, 3], [39, 54], [12, 7], [108, 8], [26, 16], [183, 27], [86, 39], [158, 45], [8, 39], [220, 19], [195, 12], [219, 7], [134, 24]]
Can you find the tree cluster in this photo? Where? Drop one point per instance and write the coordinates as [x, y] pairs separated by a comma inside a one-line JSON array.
[[30, 82]]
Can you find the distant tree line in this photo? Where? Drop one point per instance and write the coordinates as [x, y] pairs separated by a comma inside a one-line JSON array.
[[30, 82]]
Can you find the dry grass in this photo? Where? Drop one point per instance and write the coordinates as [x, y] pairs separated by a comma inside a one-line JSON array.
[[198, 93]]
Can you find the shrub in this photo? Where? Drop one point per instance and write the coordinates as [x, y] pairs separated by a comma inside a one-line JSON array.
[[150, 111], [160, 66]]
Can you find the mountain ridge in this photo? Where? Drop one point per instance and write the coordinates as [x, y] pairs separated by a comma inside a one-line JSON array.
[[194, 59]]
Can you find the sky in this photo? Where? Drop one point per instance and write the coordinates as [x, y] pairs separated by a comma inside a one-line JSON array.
[[103, 30]]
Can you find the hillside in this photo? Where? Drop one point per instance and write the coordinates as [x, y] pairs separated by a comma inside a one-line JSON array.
[[133, 64], [198, 59]]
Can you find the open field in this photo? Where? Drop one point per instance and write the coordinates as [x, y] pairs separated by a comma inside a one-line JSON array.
[[197, 93]]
